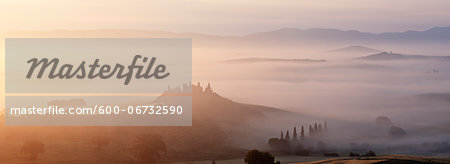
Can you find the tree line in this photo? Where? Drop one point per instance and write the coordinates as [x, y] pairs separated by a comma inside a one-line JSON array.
[[297, 143]]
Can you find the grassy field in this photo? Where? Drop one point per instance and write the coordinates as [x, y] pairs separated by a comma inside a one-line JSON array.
[[391, 159], [73, 152], [282, 159]]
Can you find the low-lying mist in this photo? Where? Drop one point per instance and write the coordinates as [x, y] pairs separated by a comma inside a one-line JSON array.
[[348, 92]]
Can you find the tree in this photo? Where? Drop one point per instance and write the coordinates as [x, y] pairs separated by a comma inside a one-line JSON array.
[[294, 135], [319, 128], [32, 149], [148, 147], [302, 134], [395, 131], [257, 157], [281, 137], [370, 153], [279, 144], [287, 136], [383, 121], [100, 141], [351, 154]]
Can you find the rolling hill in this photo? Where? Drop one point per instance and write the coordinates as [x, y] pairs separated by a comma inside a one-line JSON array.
[[277, 60], [355, 49], [397, 56], [221, 129]]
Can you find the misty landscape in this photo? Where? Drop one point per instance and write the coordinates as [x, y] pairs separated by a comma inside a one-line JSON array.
[[301, 94]]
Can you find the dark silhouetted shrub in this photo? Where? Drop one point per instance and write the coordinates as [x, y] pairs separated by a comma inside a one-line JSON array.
[[353, 154], [370, 153], [279, 144], [257, 157]]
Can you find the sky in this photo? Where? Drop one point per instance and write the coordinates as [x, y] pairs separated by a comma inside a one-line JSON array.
[[223, 17]]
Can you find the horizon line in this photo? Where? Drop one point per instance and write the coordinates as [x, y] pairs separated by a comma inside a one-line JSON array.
[[5, 32]]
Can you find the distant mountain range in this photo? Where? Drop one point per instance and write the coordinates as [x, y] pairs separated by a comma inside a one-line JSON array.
[[436, 34], [260, 60], [281, 36], [397, 56], [354, 49]]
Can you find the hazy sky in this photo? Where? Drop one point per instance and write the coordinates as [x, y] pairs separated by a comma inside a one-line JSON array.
[[224, 16]]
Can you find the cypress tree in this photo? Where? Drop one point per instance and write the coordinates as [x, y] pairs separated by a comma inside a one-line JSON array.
[[320, 128], [294, 136], [302, 134], [287, 137]]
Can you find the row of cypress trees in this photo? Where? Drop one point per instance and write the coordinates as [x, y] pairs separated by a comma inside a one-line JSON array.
[[315, 130]]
